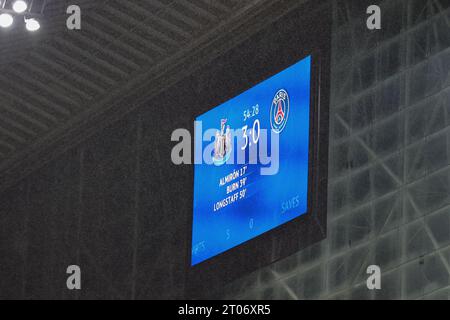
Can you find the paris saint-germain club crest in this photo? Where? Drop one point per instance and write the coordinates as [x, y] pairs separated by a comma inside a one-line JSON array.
[[279, 112]]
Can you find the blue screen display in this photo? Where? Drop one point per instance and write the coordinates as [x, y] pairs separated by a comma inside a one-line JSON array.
[[251, 167]]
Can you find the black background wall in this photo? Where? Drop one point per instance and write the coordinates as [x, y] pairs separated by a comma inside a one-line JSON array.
[[117, 207]]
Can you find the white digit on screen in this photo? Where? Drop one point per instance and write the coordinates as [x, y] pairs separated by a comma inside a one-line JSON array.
[[255, 137], [244, 133]]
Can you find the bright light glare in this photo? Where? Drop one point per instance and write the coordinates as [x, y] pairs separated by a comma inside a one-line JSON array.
[[32, 24], [6, 20], [20, 6]]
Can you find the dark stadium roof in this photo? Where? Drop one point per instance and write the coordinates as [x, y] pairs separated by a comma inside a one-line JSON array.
[[55, 83]]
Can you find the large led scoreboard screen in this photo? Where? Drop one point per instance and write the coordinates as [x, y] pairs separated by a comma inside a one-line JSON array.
[[252, 166]]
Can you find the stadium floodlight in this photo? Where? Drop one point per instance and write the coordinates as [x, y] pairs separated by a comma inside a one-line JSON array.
[[32, 12], [32, 24], [20, 6], [6, 20]]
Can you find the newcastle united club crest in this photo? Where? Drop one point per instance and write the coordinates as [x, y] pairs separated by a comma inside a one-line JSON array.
[[222, 144], [279, 111]]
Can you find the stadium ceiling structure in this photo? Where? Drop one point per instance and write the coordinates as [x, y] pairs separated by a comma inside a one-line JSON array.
[[59, 85]]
